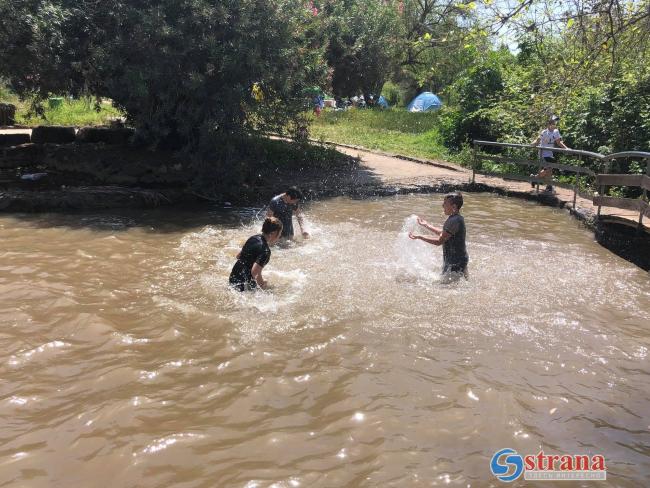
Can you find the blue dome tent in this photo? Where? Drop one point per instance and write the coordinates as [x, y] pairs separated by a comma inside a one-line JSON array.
[[423, 102]]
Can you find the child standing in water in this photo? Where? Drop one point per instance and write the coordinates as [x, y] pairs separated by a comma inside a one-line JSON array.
[[283, 206], [451, 237], [246, 274]]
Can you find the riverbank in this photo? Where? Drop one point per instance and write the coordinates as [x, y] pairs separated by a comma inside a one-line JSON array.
[[368, 174], [69, 169]]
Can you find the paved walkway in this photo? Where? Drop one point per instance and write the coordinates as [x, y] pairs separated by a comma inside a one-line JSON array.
[[15, 131]]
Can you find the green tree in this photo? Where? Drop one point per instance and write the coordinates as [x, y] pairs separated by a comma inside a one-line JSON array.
[[181, 69], [363, 39], [439, 42]]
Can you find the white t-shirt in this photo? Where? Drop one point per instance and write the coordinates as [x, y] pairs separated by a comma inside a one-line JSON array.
[[548, 138]]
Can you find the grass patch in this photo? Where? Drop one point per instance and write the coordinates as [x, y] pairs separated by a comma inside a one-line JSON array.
[[6, 96], [81, 112], [396, 131], [70, 112]]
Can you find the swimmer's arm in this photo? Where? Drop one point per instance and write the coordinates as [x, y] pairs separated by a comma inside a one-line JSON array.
[[444, 237], [256, 272], [301, 222], [436, 241]]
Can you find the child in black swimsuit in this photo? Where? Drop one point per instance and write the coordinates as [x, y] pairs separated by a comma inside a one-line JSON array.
[[246, 274]]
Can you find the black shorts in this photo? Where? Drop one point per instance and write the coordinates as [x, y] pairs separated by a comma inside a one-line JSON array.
[[242, 282]]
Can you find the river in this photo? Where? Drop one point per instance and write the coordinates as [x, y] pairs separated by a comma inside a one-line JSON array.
[[127, 361]]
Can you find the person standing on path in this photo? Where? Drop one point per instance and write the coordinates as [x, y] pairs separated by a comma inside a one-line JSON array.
[[283, 206], [549, 137]]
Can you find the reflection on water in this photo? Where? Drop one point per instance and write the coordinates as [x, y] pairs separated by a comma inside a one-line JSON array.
[[127, 358]]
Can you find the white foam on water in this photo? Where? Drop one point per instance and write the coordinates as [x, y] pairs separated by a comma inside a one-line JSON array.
[[285, 288], [361, 266]]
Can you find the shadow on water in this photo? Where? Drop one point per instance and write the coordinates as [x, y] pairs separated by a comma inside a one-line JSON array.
[[626, 242], [316, 184], [173, 218], [158, 220]]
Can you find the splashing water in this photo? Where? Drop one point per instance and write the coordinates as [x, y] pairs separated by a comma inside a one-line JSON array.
[[416, 260]]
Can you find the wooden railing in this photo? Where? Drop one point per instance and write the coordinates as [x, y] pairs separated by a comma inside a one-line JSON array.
[[601, 180], [639, 181]]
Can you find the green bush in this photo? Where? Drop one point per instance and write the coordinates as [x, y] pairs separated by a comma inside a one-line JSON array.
[[5, 95], [392, 94], [476, 111], [181, 71], [587, 117], [490, 124], [614, 115]]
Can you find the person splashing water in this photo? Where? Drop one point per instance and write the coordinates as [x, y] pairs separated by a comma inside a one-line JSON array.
[[283, 206], [246, 274], [451, 237]]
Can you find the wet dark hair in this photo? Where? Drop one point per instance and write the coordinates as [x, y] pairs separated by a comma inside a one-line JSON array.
[[294, 193], [271, 225], [456, 198]]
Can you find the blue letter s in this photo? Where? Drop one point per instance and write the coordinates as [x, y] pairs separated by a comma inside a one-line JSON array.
[[499, 470]]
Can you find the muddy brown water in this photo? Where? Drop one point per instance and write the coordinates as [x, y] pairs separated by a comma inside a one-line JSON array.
[[126, 361]]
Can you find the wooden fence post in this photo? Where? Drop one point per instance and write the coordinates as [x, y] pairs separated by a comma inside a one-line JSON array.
[[601, 187], [645, 195], [576, 187], [540, 165], [474, 162]]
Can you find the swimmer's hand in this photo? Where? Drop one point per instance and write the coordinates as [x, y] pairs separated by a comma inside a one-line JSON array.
[[305, 235], [428, 226], [429, 240]]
